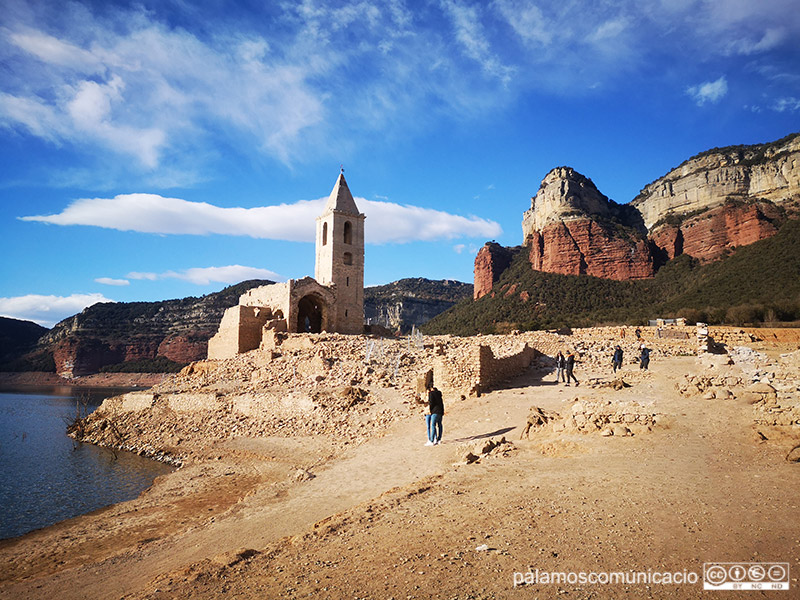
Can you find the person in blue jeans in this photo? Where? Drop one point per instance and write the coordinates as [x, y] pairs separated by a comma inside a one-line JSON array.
[[644, 358], [434, 419]]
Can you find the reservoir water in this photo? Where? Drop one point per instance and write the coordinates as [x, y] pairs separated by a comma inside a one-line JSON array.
[[45, 476]]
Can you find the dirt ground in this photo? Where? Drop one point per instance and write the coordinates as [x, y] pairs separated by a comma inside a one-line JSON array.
[[391, 518]]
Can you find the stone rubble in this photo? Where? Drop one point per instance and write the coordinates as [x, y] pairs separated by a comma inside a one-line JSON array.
[[771, 386], [350, 388]]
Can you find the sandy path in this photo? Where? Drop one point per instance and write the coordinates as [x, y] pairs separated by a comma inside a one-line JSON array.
[[698, 491]]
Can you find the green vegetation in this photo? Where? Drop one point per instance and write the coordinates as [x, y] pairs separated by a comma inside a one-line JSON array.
[[445, 290], [18, 338], [160, 364], [747, 155], [39, 362], [755, 284]]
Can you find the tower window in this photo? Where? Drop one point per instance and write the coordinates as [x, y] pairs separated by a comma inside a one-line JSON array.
[[348, 282], [348, 258], [348, 232], [324, 234]]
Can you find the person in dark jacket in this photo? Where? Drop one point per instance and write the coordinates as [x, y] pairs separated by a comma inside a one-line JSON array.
[[644, 358], [569, 366], [436, 407], [616, 361], [560, 364]]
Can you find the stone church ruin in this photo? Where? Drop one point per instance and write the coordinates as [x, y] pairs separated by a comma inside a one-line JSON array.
[[333, 301]]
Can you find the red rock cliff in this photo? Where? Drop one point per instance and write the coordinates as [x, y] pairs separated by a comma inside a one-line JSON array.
[[710, 235], [713, 202], [490, 262], [585, 247], [573, 229]]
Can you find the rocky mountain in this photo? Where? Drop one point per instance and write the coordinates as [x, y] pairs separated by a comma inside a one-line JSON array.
[[754, 284], [411, 302], [143, 336], [164, 336], [17, 338], [491, 261], [714, 202], [573, 229]]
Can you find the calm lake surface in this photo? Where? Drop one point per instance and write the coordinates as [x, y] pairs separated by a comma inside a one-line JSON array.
[[45, 476]]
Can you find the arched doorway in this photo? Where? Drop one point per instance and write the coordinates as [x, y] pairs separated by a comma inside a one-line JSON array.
[[310, 314]]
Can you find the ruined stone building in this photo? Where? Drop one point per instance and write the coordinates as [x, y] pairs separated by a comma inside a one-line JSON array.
[[333, 301]]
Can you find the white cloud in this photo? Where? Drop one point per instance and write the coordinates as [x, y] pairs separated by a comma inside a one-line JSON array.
[[771, 38], [477, 46], [459, 248], [146, 87], [150, 213], [47, 310], [527, 21], [710, 91], [110, 281], [609, 30], [125, 82], [207, 275], [789, 104], [54, 51], [37, 117]]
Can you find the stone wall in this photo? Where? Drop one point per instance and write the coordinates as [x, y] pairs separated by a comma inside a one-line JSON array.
[[478, 369], [239, 331]]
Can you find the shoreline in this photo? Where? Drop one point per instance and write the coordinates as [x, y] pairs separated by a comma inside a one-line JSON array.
[[97, 380]]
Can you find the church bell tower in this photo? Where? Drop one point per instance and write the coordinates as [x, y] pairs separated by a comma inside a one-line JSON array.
[[340, 256]]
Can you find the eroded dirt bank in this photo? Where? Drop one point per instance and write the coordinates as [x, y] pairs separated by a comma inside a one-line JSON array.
[[662, 470]]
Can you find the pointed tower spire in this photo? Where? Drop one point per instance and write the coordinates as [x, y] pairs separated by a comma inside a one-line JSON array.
[[340, 257], [341, 199]]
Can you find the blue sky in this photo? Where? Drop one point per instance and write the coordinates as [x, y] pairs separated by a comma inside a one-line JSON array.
[[156, 150]]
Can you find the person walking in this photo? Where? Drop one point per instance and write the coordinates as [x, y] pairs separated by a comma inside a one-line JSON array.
[[569, 366], [616, 360], [434, 419], [560, 364], [644, 358]]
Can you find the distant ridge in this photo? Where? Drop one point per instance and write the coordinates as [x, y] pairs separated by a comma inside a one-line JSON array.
[[133, 336], [411, 302], [17, 338], [153, 337]]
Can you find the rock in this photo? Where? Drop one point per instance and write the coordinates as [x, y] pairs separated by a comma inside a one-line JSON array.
[[709, 235], [765, 171], [490, 263], [228, 559], [303, 475], [470, 458], [712, 203], [621, 431], [607, 432], [794, 454], [411, 302], [758, 392], [485, 447], [587, 247], [762, 388]]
